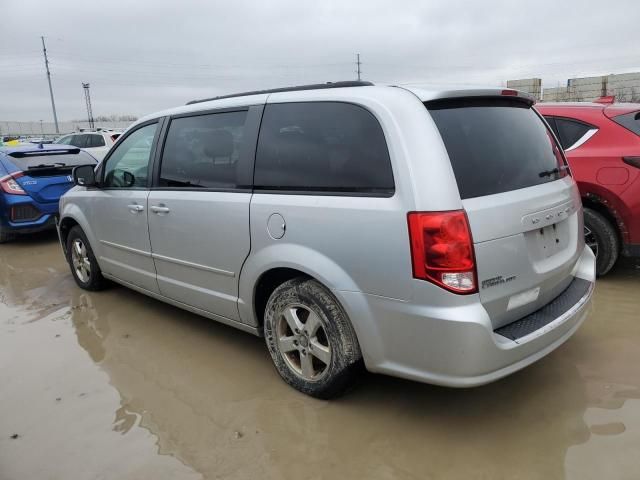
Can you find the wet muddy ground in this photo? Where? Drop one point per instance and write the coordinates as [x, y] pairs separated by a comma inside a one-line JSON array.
[[114, 385]]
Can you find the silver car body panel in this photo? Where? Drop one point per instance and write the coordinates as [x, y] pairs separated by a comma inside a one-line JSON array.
[[212, 248]]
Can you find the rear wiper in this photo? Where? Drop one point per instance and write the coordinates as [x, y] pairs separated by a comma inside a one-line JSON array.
[[47, 165], [555, 171]]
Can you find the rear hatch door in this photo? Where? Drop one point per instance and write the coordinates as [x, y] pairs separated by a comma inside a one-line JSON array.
[[523, 207], [46, 175]]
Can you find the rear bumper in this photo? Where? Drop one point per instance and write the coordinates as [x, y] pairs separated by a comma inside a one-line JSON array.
[[45, 220], [457, 346]]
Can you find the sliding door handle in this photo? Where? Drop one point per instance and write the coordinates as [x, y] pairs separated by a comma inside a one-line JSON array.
[[135, 208], [159, 209]]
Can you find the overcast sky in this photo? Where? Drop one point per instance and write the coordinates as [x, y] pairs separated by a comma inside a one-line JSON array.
[[145, 55]]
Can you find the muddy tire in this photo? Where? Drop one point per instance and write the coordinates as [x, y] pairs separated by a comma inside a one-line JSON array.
[[84, 267], [5, 236], [602, 237], [310, 339]]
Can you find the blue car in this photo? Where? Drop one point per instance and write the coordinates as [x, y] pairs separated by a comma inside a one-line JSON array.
[[32, 180]]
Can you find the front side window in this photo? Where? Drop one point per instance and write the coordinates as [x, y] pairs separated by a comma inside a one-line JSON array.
[[128, 165], [322, 146], [64, 140], [203, 151]]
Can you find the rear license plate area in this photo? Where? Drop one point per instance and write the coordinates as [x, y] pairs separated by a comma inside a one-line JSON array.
[[551, 239]]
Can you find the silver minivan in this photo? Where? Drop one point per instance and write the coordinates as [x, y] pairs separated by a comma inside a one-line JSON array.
[[426, 233]]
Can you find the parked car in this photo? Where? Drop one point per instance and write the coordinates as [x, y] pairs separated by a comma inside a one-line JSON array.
[[602, 145], [430, 234], [32, 179], [97, 143]]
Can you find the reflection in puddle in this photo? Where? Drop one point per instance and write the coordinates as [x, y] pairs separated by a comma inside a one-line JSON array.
[[160, 380]]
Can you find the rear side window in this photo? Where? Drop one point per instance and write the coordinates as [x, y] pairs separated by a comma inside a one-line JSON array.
[[496, 145], [203, 151], [630, 121], [322, 147], [79, 141], [571, 131], [95, 141]]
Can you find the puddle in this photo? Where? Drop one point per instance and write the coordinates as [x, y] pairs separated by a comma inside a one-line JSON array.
[[149, 391]]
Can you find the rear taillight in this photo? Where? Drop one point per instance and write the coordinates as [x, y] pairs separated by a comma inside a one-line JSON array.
[[442, 250], [8, 184]]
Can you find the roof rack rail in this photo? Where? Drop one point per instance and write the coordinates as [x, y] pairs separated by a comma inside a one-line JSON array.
[[315, 86]]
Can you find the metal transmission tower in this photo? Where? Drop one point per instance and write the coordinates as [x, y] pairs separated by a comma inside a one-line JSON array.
[[87, 98], [53, 104], [358, 63]]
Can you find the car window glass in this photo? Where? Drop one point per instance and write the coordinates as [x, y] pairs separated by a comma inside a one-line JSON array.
[[630, 121], [322, 146], [128, 165], [95, 141], [203, 151], [570, 131], [79, 141], [496, 145], [63, 140], [552, 123]]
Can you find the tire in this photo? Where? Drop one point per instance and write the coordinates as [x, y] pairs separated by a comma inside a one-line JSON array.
[[602, 238], [324, 358], [5, 236], [84, 267]]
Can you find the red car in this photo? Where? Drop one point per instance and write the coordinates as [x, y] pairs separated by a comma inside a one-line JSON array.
[[602, 144]]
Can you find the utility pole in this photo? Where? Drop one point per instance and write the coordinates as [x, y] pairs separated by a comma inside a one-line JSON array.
[[87, 99], [358, 63], [53, 104]]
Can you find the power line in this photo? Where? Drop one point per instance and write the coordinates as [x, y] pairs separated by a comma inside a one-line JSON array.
[[53, 103]]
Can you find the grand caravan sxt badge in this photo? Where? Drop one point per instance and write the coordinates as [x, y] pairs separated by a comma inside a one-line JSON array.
[[499, 280]]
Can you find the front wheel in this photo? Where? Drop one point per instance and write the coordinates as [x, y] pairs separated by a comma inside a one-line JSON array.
[[311, 341], [84, 267], [602, 238]]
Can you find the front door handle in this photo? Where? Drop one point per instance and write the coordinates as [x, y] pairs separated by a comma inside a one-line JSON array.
[[159, 210], [135, 208]]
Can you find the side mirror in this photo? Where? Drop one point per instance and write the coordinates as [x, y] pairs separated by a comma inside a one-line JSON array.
[[128, 179], [84, 176]]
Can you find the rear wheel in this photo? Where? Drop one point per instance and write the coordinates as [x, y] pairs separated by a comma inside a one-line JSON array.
[[310, 339], [602, 238], [83, 264], [4, 236]]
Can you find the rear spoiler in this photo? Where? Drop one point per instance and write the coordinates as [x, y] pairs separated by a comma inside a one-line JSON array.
[[427, 94], [58, 151]]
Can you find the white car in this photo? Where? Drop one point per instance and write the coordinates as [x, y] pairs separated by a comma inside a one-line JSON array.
[[97, 143]]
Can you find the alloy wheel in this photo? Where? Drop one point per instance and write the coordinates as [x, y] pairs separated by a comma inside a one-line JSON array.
[[302, 341], [80, 260]]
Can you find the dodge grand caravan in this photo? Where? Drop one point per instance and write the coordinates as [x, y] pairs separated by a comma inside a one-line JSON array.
[[430, 234]]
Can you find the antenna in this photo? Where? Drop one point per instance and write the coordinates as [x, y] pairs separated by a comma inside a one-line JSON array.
[[358, 63]]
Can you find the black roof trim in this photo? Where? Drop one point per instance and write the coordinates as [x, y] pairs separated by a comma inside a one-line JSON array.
[[315, 86]]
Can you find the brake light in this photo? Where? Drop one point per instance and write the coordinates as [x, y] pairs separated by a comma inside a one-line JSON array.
[[510, 93], [8, 184], [442, 250]]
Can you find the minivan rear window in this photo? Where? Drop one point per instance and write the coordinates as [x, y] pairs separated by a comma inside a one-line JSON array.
[[496, 145]]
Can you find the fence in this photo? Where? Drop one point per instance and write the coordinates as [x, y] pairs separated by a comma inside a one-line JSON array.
[[48, 129]]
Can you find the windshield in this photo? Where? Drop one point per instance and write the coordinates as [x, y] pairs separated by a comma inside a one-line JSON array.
[[496, 145]]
